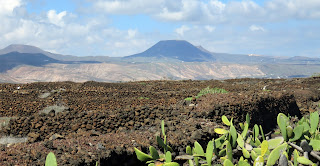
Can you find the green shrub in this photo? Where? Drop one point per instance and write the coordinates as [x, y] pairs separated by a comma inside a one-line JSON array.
[[250, 146], [207, 90]]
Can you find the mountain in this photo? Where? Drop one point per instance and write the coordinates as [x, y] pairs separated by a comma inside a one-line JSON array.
[[178, 50], [32, 49], [13, 59]]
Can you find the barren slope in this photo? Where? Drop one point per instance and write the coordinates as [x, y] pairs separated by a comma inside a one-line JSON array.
[[129, 72]]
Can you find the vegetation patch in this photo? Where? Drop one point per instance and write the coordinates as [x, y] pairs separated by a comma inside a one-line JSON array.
[[207, 90], [299, 143]]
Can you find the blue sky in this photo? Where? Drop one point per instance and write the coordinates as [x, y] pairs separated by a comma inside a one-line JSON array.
[[125, 27]]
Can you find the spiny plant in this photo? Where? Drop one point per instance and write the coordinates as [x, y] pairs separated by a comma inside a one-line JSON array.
[[250, 146], [51, 159], [154, 158], [207, 90]]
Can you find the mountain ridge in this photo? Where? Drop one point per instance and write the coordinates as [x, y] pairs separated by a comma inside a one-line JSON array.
[[175, 49]]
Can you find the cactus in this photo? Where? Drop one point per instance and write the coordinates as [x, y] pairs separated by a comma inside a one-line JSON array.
[[305, 161], [264, 147], [256, 132], [289, 131], [189, 150], [233, 133], [198, 149], [168, 157], [229, 151], [248, 119], [171, 164], [258, 161], [295, 157], [245, 130], [298, 131], [240, 141], [275, 142], [314, 121], [262, 133], [225, 120], [154, 153], [275, 154], [209, 152], [227, 162], [315, 144], [220, 131], [282, 123], [142, 156], [51, 160], [254, 155]]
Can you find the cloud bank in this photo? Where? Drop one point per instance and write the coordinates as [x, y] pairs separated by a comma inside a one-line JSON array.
[[271, 27]]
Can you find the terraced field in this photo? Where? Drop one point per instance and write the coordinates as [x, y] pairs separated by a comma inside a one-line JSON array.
[[87, 122]]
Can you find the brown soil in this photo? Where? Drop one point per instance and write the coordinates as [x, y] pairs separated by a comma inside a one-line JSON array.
[[104, 121]]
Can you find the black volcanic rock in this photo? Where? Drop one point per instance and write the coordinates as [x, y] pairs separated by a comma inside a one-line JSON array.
[[13, 59], [175, 49]]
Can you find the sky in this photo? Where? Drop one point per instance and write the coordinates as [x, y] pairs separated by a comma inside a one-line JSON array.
[[125, 27]]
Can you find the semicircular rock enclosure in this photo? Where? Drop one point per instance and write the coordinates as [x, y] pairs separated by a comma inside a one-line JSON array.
[[87, 122]]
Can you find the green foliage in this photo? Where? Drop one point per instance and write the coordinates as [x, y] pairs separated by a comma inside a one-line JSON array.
[[314, 121], [51, 160], [209, 152], [275, 154], [154, 155], [207, 90], [282, 123], [249, 145], [143, 98]]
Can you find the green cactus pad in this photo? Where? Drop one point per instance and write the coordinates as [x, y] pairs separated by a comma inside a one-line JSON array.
[[275, 142], [258, 161], [198, 149], [225, 120], [51, 160], [229, 151], [304, 161], [298, 131], [220, 131], [209, 152], [314, 121], [142, 156], [227, 162], [171, 164], [264, 147], [233, 133], [154, 153], [275, 154], [168, 157], [315, 144], [282, 123]]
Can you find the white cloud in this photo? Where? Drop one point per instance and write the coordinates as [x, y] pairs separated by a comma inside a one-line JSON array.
[[7, 6], [131, 33], [256, 28], [182, 30], [210, 28], [127, 6], [55, 18]]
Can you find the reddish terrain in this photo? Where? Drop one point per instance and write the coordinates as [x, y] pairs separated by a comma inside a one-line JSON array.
[[87, 122]]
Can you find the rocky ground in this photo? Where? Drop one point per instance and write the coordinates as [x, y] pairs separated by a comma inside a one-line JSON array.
[[87, 122]]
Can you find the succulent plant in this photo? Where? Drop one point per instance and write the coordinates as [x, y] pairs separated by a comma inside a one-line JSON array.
[[51, 159]]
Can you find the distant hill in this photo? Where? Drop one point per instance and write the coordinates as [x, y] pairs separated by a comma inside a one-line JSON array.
[[32, 49], [180, 50], [13, 59]]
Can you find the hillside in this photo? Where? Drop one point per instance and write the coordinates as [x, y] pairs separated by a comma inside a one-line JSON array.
[[180, 50], [13, 59]]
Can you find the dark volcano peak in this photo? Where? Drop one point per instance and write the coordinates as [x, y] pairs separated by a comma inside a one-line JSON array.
[[176, 49]]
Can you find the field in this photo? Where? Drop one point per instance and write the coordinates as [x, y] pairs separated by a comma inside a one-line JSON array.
[[87, 122]]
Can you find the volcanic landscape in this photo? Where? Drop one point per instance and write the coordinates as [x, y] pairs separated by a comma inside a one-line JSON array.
[[92, 121]]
